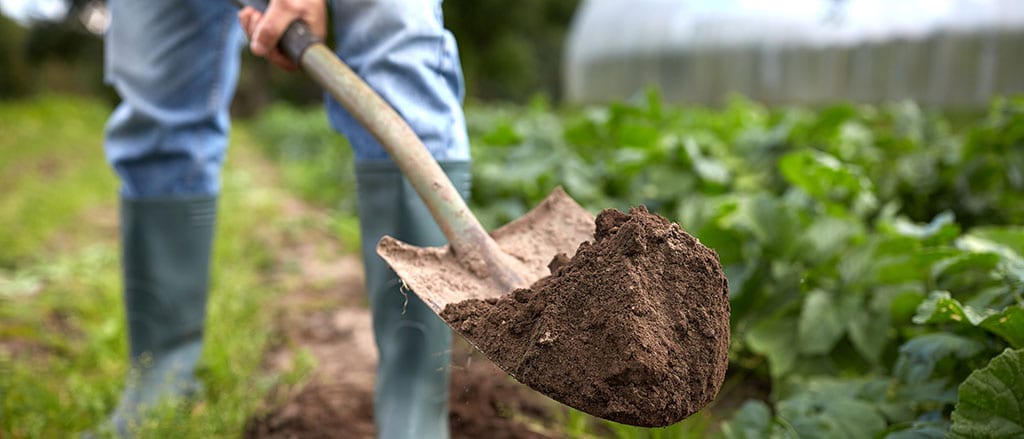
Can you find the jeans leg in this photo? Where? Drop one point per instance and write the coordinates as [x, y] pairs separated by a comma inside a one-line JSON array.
[[175, 64], [402, 50]]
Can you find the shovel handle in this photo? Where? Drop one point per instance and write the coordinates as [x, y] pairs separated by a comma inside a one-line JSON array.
[[474, 248]]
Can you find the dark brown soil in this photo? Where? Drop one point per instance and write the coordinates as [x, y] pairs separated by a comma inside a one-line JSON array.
[[634, 328], [484, 403]]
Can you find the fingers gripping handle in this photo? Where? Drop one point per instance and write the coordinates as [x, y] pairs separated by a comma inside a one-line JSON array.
[[296, 39]]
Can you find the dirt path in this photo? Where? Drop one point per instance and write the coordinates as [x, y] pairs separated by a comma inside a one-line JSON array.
[[323, 312]]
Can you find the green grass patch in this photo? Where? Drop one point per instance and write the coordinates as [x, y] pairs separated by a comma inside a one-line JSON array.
[[52, 156], [63, 348]]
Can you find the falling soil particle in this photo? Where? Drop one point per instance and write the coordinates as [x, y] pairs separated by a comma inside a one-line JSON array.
[[634, 328]]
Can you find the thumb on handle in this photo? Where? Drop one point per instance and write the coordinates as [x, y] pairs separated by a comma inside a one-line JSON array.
[[296, 39]]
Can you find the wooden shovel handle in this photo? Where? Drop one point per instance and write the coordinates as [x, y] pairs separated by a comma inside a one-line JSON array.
[[475, 249]]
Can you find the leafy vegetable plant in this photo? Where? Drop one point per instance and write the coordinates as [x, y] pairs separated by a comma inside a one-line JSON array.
[[875, 255]]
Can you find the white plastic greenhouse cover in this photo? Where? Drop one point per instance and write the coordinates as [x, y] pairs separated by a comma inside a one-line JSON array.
[[616, 46]]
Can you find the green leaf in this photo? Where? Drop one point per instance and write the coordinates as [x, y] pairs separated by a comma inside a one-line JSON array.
[[775, 339], [992, 400], [867, 333], [768, 220], [1011, 237], [503, 134], [1011, 263], [820, 325], [936, 429], [942, 228], [637, 134], [823, 176], [579, 179], [828, 236], [904, 305], [910, 265], [753, 420], [708, 169], [832, 416], [919, 356], [940, 307], [967, 262], [1008, 324], [935, 393], [975, 243]]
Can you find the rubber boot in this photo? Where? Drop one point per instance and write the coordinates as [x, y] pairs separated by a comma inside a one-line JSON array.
[[166, 248], [411, 395]]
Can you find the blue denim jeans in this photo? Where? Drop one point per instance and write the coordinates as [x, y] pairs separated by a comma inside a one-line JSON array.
[[175, 65]]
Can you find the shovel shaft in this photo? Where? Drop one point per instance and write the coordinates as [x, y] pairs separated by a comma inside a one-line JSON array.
[[467, 237], [474, 248]]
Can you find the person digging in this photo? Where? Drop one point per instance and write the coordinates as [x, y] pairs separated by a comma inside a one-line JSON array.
[[175, 65]]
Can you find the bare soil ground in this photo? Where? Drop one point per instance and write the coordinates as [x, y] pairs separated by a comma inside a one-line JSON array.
[[323, 312]]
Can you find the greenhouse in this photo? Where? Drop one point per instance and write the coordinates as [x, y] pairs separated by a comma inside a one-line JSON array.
[[950, 53]]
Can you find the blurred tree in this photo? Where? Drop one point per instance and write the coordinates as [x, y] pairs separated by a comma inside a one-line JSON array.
[[15, 80], [510, 51], [63, 54]]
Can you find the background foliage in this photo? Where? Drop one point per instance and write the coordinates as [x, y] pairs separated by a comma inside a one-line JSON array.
[[510, 51], [63, 345], [873, 254]]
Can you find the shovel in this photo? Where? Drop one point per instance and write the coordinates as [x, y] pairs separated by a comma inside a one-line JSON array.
[[478, 265], [474, 264]]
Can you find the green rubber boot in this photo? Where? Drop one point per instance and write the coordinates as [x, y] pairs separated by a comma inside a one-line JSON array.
[[166, 246], [411, 395]]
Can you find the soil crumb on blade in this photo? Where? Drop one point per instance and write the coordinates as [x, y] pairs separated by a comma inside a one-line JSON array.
[[634, 328]]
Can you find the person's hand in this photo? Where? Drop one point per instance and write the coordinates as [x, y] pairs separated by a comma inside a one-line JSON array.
[[265, 29]]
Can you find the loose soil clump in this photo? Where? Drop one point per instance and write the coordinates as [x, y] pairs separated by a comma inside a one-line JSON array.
[[634, 328]]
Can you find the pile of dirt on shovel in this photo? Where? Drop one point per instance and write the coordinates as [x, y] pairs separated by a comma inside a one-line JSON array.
[[634, 328]]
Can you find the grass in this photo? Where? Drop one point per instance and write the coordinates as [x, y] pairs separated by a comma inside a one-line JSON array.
[[61, 316], [58, 304], [51, 154], [578, 425]]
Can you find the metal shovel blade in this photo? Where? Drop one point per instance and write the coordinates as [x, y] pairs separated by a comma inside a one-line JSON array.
[[557, 225]]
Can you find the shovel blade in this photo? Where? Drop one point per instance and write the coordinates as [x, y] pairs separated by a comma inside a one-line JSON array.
[[557, 225]]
